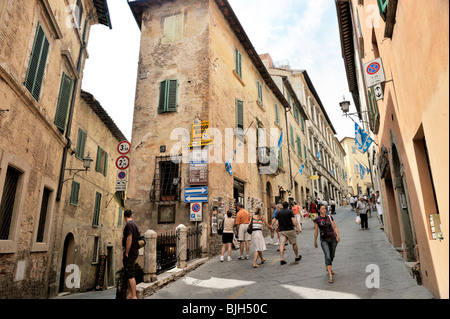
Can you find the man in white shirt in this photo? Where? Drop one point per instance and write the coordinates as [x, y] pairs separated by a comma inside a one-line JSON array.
[[352, 202]]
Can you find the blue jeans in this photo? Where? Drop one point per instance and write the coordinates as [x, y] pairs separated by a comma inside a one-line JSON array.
[[329, 249]]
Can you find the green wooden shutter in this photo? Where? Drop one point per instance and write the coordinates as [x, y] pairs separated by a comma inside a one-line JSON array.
[[304, 152], [38, 62], [162, 97], [303, 123], [65, 93], [299, 147], [260, 93], [240, 114], [172, 98], [105, 169], [74, 195], [277, 114], [382, 5], [238, 63], [98, 201], [168, 96], [98, 163], [81, 144]]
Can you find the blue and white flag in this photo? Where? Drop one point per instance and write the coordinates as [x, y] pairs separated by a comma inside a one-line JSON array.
[[362, 171], [332, 172], [362, 139], [228, 164], [280, 141], [301, 169], [318, 155], [345, 175]]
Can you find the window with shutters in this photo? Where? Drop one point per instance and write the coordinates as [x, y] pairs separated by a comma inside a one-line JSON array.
[[168, 96], [238, 58], [78, 14], [303, 123], [260, 93], [81, 144], [101, 164], [306, 154], [173, 29], [75, 193], [96, 250], [280, 158], [8, 201], [43, 215], [97, 206], [240, 116], [37, 64], [299, 147], [65, 93], [277, 114]]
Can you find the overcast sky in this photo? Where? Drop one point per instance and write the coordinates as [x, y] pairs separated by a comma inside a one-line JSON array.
[[305, 32]]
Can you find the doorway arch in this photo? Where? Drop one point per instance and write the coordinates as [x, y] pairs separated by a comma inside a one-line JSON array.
[[67, 259]]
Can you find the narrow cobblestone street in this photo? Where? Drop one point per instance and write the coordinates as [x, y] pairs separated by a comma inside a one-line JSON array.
[[307, 279]]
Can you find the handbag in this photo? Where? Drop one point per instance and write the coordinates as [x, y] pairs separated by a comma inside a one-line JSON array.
[[250, 227]]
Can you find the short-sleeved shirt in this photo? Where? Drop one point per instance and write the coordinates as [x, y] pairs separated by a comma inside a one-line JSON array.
[[325, 227], [275, 212], [284, 218], [131, 228], [362, 207], [242, 217], [228, 226], [295, 209]]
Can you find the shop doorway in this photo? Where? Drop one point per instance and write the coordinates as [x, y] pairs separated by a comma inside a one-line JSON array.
[[238, 191]]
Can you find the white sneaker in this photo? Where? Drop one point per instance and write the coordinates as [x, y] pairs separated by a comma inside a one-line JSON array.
[[270, 241], [229, 258], [221, 258]]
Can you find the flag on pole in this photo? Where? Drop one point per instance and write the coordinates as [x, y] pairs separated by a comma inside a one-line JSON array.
[[301, 169], [332, 172], [228, 164], [362, 171], [362, 139], [318, 155]]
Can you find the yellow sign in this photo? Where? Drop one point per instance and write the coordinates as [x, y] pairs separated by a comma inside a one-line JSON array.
[[314, 177], [200, 134]]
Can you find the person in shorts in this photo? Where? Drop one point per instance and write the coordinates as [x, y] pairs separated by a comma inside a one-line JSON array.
[[130, 247], [227, 236], [242, 221], [288, 231]]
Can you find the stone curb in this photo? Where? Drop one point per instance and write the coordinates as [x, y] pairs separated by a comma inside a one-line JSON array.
[[144, 290]]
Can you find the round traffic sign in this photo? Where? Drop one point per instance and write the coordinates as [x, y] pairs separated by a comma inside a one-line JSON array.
[[124, 147], [121, 174], [123, 162], [373, 68], [196, 208]]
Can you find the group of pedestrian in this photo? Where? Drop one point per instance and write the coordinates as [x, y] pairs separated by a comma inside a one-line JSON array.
[[287, 224], [364, 207]]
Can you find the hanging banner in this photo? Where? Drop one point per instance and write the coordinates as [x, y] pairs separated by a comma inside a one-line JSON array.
[[362, 139]]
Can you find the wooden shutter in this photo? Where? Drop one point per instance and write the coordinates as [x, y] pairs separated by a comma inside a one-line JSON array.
[[172, 98], [65, 94], [98, 201], [168, 96], [240, 114], [292, 136], [38, 62], [105, 167], [299, 147], [238, 63], [74, 195], [98, 163], [277, 114], [81, 144]]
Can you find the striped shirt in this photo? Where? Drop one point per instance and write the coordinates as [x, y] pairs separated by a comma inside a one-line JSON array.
[[257, 224]]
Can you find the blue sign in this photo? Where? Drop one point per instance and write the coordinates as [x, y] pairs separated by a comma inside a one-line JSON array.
[[196, 190], [195, 198]]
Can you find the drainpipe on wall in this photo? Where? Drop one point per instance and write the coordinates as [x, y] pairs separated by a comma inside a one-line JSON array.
[[71, 109]]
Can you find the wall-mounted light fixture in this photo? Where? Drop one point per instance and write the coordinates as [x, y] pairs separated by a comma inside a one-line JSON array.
[[87, 161]]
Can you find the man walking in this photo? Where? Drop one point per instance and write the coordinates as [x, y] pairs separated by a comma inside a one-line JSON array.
[[242, 221], [361, 211], [130, 247], [286, 224]]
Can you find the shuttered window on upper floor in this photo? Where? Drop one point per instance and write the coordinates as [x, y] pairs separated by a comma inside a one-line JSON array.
[[238, 58], [277, 114], [173, 28], [101, 164], [260, 93], [168, 96], [81, 144], [65, 93], [240, 115], [37, 64]]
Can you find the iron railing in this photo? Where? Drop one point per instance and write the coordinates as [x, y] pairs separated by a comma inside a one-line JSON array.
[[166, 251], [194, 248]]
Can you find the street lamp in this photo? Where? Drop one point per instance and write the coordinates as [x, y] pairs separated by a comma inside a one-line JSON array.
[[345, 106], [87, 161]]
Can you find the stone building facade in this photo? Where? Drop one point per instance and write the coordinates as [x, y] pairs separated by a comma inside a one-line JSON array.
[[42, 56], [410, 40], [196, 62]]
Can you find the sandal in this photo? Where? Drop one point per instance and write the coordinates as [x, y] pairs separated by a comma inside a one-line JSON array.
[[255, 266], [331, 280], [262, 262]]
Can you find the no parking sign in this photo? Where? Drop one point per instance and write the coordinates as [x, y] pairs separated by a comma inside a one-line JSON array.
[[196, 212]]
